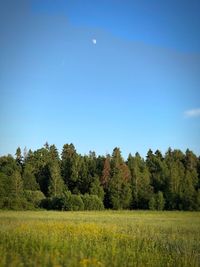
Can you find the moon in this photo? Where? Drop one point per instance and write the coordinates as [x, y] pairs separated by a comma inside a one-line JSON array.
[[94, 41]]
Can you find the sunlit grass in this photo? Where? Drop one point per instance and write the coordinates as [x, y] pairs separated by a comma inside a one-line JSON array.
[[108, 238]]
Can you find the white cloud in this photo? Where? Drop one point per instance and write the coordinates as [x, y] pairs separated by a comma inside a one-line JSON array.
[[192, 113], [94, 41]]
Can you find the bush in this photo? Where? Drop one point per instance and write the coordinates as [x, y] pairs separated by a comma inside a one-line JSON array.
[[66, 198], [68, 202], [14, 203], [157, 202], [72, 202], [96, 188], [34, 197], [92, 202], [152, 203], [57, 203], [46, 203], [160, 201], [76, 202]]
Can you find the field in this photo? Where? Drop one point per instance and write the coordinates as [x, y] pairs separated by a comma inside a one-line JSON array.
[[108, 238]]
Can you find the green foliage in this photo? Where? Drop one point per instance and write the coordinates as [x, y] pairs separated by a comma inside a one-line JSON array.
[[92, 202], [119, 192], [197, 200], [56, 184], [56, 203], [67, 202], [96, 188], [70, 165], [140, 182], [34, 197], [160, 201], [29, 179], [106, 173], [170, 181], [119, 189], [152, 203], [39, 160], [76, 202], [11, 184], [3, 188], [19, 158], [157, 201]]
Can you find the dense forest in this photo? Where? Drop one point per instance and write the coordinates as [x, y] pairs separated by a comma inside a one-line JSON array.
[[70, 181]]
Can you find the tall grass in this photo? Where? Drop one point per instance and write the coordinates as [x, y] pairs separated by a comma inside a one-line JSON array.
[[108, 238]]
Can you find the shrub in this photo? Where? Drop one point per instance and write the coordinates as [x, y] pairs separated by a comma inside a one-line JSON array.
[[46, 203], [92, 202], [152, 203], [76, 202], [34, 197], [157, 202], [14, 203], [72, 202], [57, 203], [160, 201], [96, 188]]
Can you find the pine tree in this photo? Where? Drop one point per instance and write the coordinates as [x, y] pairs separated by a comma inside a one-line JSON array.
[[140, 182], [56, 184], [70, 166], [96, 188], [119, 190], [19, 158], [174, 160], [106, 173], [29, 179]]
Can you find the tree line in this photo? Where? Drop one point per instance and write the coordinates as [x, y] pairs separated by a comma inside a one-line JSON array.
[[44, 179]]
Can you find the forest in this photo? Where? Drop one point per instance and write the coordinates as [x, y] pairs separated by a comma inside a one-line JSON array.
[[45, 179]]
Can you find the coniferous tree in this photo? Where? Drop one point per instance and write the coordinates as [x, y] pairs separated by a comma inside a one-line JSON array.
[[70, 166], [16, 185], [158, 170], [29, 179], [19, 158], [11, 193], [56, 184], [160, 201], [105, 177], [174, 160], [92, 164], [157, 201], [96, 188], [171, 181], [42, 171], [119, 189], [100, 165], [140, 182]]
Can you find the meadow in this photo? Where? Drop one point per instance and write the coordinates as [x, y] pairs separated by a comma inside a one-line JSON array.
[[104, 238]]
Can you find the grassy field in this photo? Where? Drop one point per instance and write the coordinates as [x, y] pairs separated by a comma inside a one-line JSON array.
[[108, 238]]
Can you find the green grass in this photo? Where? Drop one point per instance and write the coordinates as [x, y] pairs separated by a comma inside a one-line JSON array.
[[107, 238]]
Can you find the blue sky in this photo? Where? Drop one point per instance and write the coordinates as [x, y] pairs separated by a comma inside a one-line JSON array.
[[137, 88]]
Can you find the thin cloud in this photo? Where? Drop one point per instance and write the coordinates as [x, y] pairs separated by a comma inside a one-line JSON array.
[[192, 113], [94, 41]]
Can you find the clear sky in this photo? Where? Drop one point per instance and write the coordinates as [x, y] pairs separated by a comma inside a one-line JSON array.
[[100, 74]]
